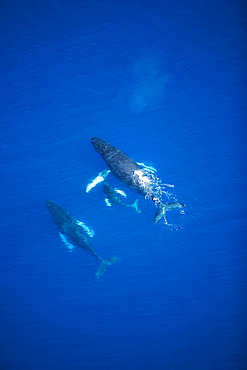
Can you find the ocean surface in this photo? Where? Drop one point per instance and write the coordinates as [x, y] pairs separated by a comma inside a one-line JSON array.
[[165, 82]]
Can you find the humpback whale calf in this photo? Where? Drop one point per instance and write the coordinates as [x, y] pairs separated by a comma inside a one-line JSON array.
[[73, 231], [112, 195], [133, 175]]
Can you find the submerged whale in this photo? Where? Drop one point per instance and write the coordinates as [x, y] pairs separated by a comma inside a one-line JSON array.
[[133, 175], [112, 195], [73, 231]]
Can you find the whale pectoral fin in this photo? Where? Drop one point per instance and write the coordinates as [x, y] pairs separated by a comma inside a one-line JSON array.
[[163, 208], [97, 180], [66, 242], [107, 202], [120, 192], [104, 264], [86, 228]]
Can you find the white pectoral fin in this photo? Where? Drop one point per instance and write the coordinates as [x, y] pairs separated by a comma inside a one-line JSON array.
[[87, 229], [147, 168], [97, 180], [68, 245], [120, 192], [107, 202]]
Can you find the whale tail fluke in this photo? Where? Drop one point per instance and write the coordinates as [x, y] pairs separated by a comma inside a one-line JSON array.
[[163, 208], [135, 206], [104, 264]]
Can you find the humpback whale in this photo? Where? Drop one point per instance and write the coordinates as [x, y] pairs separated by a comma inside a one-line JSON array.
[[133, 175], [112, 195], [73, 231]]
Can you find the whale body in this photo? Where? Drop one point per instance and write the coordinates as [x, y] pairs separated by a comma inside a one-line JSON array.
[[133, 175], [121, 165], [72, 229], [113, 195]]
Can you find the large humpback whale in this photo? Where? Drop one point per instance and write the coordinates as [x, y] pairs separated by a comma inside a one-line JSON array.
[[133, 175], [73, 231]]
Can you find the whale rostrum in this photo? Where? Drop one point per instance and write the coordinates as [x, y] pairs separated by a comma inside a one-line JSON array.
[[134, 175], [74, 232]]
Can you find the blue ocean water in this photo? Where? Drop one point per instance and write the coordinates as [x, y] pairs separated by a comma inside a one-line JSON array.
[[166, 83]]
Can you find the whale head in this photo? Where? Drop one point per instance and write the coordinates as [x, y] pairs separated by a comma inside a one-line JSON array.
[[101, 146]]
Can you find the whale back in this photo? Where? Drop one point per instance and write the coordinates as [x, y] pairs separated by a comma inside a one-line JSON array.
[[59, 215]]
